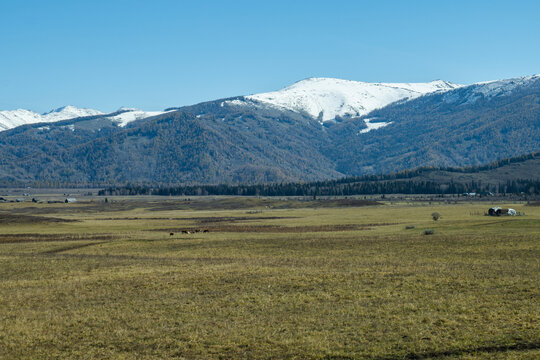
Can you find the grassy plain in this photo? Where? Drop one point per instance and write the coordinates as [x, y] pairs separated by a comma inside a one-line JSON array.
[[270, 280]]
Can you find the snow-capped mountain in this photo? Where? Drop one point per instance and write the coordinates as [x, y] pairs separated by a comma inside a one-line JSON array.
[[327, 98], [14, 118], [277, 138]]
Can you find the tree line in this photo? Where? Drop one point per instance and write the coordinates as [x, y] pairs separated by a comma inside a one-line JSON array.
[[333, 188], [394, 183]]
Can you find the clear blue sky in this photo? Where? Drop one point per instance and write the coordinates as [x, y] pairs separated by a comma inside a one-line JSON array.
[[156, 54]]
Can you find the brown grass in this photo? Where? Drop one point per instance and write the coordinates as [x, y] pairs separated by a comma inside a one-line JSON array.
[[299, 283]]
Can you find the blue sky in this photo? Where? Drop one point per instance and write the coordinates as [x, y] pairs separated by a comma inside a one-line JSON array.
[[157, 54]]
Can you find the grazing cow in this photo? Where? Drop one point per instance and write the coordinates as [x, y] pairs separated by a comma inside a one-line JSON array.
[[205, 231], [185, 232], [171, 234]]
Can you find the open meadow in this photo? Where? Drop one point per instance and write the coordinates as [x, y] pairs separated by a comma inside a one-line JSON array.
[[267, 279]]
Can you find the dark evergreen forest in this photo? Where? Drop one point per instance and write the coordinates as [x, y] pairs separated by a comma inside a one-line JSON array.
[[406, 182]]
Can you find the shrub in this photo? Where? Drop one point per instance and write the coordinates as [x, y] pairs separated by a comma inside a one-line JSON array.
[[435, 216], [429, 232]]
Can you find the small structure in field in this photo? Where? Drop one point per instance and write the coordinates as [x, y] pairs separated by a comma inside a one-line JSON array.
[[499, 211], [70, 200]]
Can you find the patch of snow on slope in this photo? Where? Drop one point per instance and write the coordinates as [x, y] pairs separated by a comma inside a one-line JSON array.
[[327, 98], [131, 115], [373, 126], [234, 102]]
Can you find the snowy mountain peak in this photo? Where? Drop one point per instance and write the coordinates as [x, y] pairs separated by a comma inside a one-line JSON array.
[[328, 98], [61, 109], [68, 112], [14, 118]]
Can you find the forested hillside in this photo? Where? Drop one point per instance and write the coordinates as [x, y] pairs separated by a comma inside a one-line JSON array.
[[506, 176], [171, 148], [462, 127]]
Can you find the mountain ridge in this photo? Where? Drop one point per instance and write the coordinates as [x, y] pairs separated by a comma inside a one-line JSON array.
[[354, 99], [13, 118], [237, 140]]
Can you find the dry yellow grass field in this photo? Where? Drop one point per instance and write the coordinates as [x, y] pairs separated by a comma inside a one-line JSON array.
[[269, 280]]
